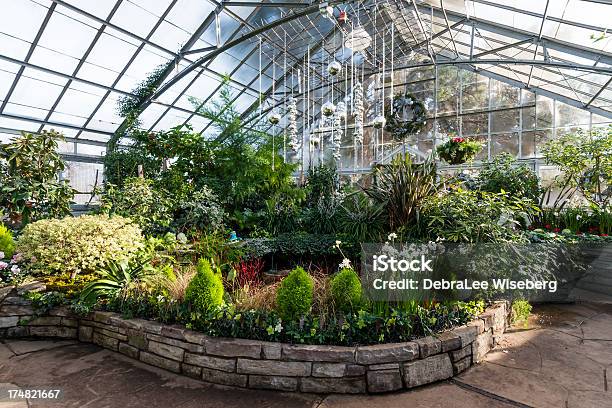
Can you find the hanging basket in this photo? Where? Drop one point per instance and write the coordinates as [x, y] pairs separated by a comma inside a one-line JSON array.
[[459, 150], [405, 116]]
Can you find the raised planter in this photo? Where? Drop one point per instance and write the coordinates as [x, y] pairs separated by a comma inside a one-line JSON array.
[[266, 365]]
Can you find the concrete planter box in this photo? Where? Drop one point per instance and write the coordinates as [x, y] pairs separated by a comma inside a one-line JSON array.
[[265, 365]]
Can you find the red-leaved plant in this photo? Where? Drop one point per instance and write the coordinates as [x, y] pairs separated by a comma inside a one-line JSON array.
[[248, 272]]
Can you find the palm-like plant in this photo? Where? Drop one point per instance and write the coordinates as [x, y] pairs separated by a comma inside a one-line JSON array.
[[401, 186], [115, 277]]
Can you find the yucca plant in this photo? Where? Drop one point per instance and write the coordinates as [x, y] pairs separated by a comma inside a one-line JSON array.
[[115, 277], [401, 186]]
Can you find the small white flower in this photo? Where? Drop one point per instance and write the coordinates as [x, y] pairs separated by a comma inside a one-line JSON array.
[[3, 265], [578, 216], [279, 327], [15, 269], [1, 255], [338, 243], [392, 236], [346, 263], [160, 298]]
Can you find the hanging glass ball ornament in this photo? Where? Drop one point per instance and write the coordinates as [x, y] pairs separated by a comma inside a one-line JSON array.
[[315, 140], [328, 109], [334, 68], [379, 122], [274, 118]]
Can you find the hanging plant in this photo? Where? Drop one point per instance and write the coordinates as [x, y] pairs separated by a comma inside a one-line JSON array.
[[379, 122], [358, 109], [328, 109], [274, 118], [292, 129], [405, 116], [334, 68], [459, 150]]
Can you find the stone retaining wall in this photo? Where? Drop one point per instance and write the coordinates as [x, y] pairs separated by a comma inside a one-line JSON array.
[[265, 365]]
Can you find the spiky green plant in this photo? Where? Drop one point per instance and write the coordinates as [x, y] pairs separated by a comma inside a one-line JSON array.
[[114, 277], [401, 186]]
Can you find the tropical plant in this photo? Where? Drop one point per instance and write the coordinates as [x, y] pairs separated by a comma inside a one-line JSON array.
[[29, 184], [401, 186], [7, 243], [346, 290], [205, 291], [294, 295], [140, 201], [476, 216], [586, 163], [200, 212], [361, 219], [122, 164], [114, 278], [503, 173], [458, 150], [78, 245]]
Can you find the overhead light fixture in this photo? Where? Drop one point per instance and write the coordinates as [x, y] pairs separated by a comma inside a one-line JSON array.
[[358, 39]]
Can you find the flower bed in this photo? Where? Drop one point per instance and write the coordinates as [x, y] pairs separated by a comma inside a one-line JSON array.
[[260, 364]]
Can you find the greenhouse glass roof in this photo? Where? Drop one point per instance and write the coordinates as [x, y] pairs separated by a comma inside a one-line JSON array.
[[64, 64]]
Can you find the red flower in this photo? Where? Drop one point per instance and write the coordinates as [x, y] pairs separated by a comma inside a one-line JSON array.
[[458, 140], [557, 230], [547, 226], [531, 228], [603, 235]]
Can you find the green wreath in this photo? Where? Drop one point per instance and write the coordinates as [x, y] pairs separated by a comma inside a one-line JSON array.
[[399, 127]]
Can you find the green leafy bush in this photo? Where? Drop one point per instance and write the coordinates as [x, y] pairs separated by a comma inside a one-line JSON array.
[[205, 291], [78, 245], [201, 211], [294, 296], [521, 309], [346, 290], [476, 216], [504, 174], [139, 200], [7, 243]]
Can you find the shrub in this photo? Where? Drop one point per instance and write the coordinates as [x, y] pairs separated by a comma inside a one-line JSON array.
[[139, 200], [205, 291], [7, 244], [346, 290], [521, 309], [78, 245], [476, 216], [294, 296], [504, 174], [201, 211]]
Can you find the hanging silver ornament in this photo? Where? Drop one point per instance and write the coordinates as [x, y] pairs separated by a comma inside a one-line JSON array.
[[328, 109], [334, 68], [341, 110], [358, 110], [274, 118]]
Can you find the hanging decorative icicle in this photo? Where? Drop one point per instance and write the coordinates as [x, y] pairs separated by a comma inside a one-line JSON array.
[[358, 111], [292, 129], [338, 130]]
